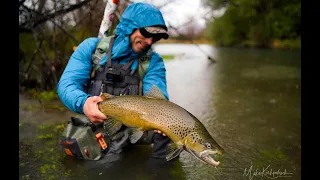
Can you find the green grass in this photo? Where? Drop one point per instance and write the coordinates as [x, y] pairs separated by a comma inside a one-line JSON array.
[[167, 57]]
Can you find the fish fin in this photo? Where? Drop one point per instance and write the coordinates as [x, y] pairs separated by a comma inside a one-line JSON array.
[[155, 92], [173, 151], [105, 96], [135, 134], [111, 126]]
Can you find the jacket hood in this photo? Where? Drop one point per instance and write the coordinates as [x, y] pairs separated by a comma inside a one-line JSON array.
[[136, 15], [139, 15]]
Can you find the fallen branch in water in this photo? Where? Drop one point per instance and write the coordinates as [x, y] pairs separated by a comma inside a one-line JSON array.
[[180, 34]]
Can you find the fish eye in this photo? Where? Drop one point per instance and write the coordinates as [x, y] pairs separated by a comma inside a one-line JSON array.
[[208, 145]]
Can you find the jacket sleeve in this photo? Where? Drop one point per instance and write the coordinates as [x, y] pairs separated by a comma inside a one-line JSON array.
[[75, 77], [156, 75]]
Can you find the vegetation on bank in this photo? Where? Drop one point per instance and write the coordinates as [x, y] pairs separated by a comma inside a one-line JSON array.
[[259, 23], [46, 96], [294, 44], [181, 40]]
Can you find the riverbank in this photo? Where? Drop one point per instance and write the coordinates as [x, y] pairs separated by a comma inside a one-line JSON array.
[[274, 44], [179, 41], [40, 111]]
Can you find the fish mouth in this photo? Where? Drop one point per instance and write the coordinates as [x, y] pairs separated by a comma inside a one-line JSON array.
[[206, 157]]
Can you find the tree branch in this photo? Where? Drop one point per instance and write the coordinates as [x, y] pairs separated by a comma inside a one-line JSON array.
[[33, 57], [66, 32], [44, 18], [21, 2], [177, 31]]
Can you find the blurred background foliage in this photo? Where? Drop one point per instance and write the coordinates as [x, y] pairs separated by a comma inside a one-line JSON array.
[[256, 23], [49, 29]]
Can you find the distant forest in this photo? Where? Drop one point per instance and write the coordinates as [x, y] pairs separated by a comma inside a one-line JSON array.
[[257, 23]]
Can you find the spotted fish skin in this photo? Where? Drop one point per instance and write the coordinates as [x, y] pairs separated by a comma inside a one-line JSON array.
[[154, 112], [151, 113]]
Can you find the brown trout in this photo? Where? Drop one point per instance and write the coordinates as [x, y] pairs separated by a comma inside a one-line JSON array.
[[154, 112]]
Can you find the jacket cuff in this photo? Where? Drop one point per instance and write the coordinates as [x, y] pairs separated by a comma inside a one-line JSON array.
[[80, 103]]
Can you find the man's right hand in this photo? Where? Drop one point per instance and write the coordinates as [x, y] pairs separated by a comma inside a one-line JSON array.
[[91, 110]]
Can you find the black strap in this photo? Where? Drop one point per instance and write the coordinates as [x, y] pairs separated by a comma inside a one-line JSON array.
[[127, 65], [109, 63]]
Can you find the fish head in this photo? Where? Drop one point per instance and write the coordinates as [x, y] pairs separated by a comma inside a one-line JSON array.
[[203, 148]]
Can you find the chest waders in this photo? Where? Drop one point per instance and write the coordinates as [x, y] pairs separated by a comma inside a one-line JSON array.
[[86, 140]]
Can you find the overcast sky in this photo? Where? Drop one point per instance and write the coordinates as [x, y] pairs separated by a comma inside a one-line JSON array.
[[179, 12]]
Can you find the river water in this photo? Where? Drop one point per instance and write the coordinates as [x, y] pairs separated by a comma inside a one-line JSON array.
[[249, 100]]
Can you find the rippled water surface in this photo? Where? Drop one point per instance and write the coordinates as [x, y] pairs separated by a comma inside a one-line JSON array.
[[249, 100]]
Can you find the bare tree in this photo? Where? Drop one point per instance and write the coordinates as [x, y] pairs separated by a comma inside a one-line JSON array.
[[55, 26], [52, 25]]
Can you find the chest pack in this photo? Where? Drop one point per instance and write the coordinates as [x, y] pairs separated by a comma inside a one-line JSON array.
[[115, 78], [88, 141]]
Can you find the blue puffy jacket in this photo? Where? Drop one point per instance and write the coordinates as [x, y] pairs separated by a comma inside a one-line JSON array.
[[77, 72]]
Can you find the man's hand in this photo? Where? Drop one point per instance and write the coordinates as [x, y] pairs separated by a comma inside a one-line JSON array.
[[158, 131], [92, 111]]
